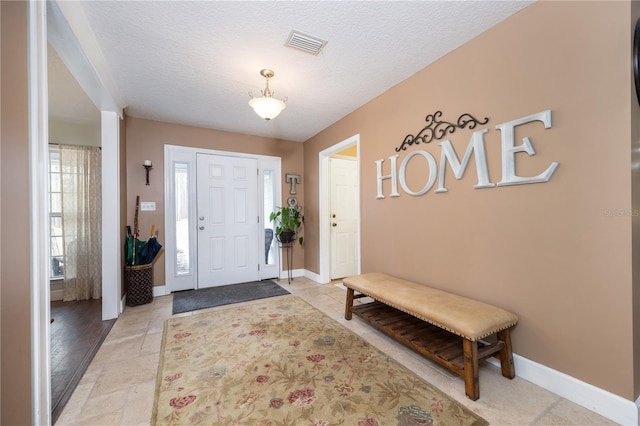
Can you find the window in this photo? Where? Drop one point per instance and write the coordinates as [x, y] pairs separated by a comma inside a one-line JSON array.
[[269, 206], [181, 173], [55, 216]]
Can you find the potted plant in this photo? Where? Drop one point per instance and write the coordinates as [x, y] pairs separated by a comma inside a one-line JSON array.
[[287, 220]]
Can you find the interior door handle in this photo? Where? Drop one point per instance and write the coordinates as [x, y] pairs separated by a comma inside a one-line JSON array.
[[201, 228], [334, 224]]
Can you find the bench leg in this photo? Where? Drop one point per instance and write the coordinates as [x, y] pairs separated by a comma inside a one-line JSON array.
[[349, 304], [506, 355], [471, 380]]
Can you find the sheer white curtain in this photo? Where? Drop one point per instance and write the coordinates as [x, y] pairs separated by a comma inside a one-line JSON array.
[[81, 202]]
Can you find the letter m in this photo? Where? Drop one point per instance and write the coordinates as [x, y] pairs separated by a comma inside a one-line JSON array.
[[448, 155]]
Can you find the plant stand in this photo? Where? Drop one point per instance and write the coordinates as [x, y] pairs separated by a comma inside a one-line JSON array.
[[287, 248]]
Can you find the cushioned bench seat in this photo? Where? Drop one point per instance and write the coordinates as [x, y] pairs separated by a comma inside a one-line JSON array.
[[403, 307]]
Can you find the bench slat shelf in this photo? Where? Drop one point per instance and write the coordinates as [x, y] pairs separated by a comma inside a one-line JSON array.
[[446, 349]]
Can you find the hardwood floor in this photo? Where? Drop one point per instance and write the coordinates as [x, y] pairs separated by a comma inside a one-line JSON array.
[[77, 331]]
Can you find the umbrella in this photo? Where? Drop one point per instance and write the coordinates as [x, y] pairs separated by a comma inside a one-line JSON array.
[[151, 248], [130, 251], [149, 251]]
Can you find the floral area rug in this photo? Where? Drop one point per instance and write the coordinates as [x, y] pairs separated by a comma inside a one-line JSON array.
[[283, 362]]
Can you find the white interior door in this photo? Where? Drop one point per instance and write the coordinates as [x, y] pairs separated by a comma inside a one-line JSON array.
[[343, 184], [227, 212]]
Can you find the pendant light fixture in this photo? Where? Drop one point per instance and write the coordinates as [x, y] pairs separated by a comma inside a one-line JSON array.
[[267, 106]]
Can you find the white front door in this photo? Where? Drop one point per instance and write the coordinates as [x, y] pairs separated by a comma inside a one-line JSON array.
[[227, 220], [343, 184]]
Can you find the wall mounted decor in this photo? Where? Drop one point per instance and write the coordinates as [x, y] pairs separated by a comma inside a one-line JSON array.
[[147, 166], [437, 129], [434, 172], [292, 179]]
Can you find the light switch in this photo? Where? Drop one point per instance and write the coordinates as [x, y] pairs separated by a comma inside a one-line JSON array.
[[148, 206]]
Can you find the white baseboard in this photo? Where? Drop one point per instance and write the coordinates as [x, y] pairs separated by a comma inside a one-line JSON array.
[[159, 290], [607, 404], [312, 276], [284, 274], [56, 295]]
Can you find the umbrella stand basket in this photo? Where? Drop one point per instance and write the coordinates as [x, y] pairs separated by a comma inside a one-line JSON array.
[[139, 284]]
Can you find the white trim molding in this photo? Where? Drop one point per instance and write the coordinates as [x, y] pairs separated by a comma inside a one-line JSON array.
[[607, 404], [295, 273], [160, 290], [312, 276], [39, 242], [111, 247]]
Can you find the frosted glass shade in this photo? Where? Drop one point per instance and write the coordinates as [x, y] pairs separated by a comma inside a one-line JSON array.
[[267, 107]]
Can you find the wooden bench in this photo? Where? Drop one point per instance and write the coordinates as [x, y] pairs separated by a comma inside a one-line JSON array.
[[444, 327]]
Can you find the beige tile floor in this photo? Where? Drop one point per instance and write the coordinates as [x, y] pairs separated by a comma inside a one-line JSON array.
[[118, 387]]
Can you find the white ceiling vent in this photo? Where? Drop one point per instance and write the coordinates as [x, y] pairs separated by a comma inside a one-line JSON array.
[[305, 42]]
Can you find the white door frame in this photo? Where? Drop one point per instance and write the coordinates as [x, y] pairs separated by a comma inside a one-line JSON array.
[[324, 206], [188, 155], [173, 281], [39, 242], [62, 25]]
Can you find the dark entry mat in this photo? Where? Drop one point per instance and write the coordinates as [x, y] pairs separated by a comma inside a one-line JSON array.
[[192, 300]]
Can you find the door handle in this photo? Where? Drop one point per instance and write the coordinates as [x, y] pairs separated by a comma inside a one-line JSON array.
[[201, 228], [334, 224], [201, 218]]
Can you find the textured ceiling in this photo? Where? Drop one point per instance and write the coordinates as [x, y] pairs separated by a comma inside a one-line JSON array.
[[194, 63]]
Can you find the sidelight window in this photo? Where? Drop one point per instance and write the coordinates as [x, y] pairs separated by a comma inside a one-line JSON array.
[[269, 206], [181, 173]]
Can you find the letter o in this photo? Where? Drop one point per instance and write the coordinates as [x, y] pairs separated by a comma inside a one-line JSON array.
[[432, 172]]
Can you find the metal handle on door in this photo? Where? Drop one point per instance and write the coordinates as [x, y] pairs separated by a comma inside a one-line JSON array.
[[201, 218], [334, 224], [201, 228]]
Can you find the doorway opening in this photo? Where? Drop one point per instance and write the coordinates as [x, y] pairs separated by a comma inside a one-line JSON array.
[[349, 148]]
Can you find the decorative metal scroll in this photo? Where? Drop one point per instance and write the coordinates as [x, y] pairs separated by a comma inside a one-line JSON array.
[[437, 129]]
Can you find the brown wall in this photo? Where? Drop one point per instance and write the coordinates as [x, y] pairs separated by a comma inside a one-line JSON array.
[[556, 253], [1, 204], [15, 368], [635, 179], [146, 140]]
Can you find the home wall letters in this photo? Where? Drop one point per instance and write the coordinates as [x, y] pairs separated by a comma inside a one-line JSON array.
[[475, 146]]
